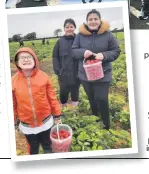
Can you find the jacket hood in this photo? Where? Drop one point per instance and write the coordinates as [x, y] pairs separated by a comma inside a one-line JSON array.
[[103, 28], [30, 51]]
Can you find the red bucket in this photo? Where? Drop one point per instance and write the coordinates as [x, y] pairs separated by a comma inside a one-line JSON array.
[[93, 71], [61, 145]]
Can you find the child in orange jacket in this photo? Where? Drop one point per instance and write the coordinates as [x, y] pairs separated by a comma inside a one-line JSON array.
[[34, 101]]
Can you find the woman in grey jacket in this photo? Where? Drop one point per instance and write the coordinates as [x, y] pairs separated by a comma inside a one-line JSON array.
[[94, 38]]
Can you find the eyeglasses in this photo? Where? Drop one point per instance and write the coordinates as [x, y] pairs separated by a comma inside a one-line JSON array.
[[25, 57]]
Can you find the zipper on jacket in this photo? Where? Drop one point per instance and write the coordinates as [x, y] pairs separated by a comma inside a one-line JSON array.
[[93, 40], [32, 102]]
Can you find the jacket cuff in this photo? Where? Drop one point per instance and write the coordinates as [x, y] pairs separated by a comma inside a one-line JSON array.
[[57, 116]]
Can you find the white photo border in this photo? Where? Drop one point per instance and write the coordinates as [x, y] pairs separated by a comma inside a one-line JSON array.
[[50, 9]]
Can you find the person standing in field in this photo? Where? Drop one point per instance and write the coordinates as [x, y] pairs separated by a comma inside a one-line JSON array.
[[43, 41], [95, 39], [64, 65], [21, 43], [47, 42], [34, 101]]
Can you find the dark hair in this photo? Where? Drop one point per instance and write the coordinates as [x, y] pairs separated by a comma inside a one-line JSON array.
[[70, 21], [93, 11]]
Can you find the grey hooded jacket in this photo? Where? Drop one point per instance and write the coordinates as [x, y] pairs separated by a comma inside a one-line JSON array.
[[98, 42]]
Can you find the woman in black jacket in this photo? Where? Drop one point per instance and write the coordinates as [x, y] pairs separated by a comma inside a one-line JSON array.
[[65, 67], [94, 38]]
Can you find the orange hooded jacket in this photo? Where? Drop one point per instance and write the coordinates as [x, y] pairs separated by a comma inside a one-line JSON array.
[[34, 97]]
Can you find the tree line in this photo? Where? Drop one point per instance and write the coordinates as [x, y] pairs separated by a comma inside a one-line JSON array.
[[57, 33], [32, 36]]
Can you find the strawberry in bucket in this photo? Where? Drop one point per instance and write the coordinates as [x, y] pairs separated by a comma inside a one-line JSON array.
[[63, 134]]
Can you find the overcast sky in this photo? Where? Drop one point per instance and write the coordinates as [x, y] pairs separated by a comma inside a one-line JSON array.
[[44, 24]]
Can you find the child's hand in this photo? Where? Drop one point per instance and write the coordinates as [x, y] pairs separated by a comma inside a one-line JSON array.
[[57, 119]]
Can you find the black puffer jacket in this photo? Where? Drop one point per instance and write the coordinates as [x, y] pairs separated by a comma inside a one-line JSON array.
[[101, 41], [64, 63]]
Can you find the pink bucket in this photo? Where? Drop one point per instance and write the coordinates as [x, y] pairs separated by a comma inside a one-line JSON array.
[[94, 71], [61, 145]]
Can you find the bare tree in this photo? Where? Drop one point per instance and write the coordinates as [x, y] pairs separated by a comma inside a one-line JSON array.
[[57, 32]]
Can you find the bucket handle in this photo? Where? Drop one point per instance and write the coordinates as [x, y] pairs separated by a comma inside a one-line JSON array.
[[84, 61], [57, 129], [88, 58]]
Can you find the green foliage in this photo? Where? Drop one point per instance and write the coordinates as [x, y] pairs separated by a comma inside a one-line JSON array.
[[119, 74], [89, 135], [116, 103], [120, 35], [118, 112], [84, 106], [125, 120]]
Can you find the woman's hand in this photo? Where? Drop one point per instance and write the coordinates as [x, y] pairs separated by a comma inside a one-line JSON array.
[[87, 54], [99, 56]]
